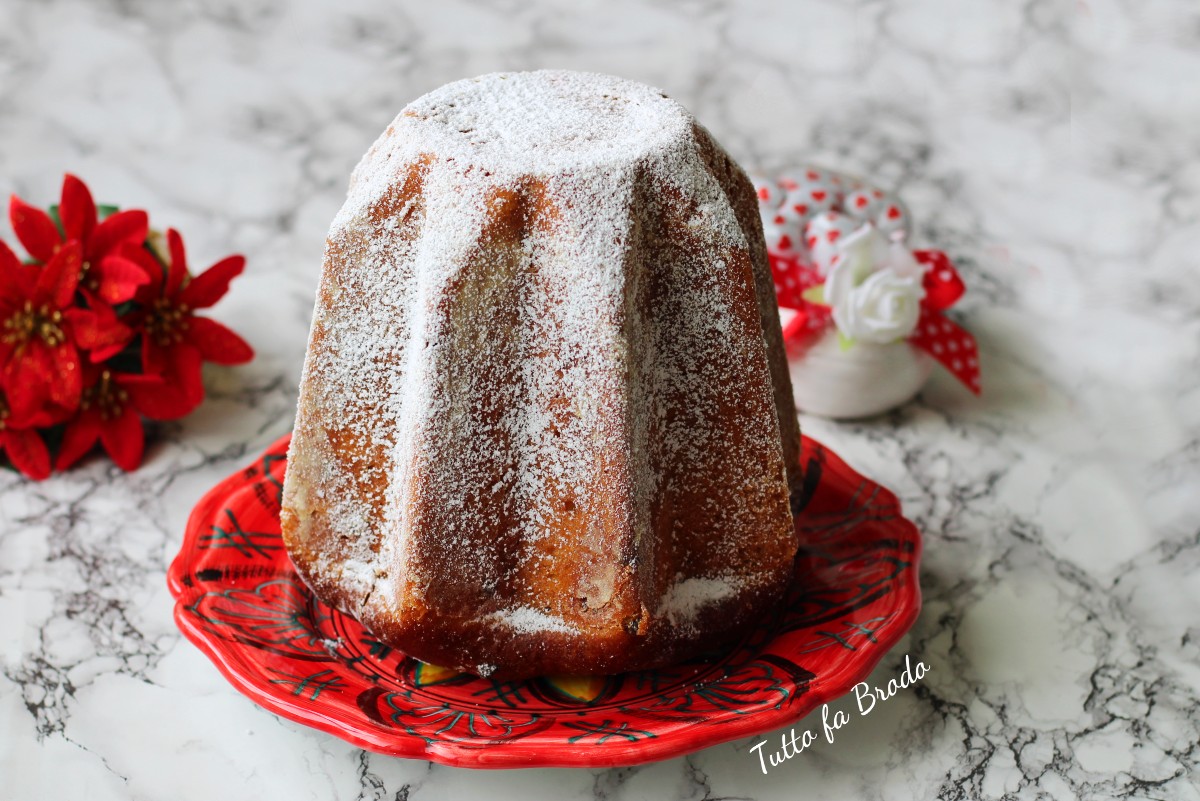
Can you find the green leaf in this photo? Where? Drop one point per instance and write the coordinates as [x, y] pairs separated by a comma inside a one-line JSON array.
[[53, 436], [129, 360], [53, 212], [815, 294], [844, 342], [103, 210]]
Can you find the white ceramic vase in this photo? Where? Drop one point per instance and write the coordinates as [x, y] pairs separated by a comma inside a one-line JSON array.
[[859, 381]]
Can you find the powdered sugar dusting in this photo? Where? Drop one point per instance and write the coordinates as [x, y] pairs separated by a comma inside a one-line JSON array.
[[684, 600], [483, 363], [541, 124], [527, 620]]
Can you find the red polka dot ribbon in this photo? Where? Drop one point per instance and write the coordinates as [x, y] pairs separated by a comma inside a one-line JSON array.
[[943, 339], [943, 286], [792, 279]]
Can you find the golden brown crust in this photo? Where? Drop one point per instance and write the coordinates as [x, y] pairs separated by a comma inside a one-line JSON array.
[[413, 509], [740, 191]]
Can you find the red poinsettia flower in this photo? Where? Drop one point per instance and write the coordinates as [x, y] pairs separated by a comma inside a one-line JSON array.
[[110, 412], [22, 445], [99, 331], [39, 362], [174, 339], [103, 271]]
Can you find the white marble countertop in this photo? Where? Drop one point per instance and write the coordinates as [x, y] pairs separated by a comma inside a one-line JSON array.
[[1049, 147]]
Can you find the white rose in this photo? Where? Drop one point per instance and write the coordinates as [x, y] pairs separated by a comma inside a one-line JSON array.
[[882, 309], [874, 288]]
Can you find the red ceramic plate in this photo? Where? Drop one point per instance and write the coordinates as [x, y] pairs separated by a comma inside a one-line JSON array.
[[239, 600]]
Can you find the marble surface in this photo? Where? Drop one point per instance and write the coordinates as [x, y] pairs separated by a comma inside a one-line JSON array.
[[1050, 147]]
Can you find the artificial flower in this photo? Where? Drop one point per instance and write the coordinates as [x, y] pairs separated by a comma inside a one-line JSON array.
[[103, 272], [852, 275], [110, 411], [39, 362], [873, 287], [884, 308], [99, 331], [174, 338], [21, 443]]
